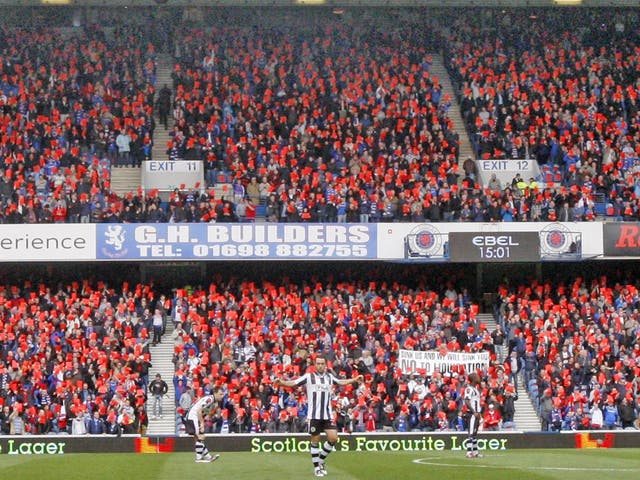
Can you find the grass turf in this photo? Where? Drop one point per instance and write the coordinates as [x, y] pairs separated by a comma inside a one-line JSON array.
[[560, 464]]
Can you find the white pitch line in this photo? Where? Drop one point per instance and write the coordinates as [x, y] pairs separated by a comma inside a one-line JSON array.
[[427, 461]]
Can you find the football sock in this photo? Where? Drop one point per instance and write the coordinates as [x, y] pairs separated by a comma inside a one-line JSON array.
[[327, 448], [315, 454], [201, 449]]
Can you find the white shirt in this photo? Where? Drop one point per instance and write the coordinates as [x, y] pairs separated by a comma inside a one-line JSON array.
[[202, 405], [472, 395]]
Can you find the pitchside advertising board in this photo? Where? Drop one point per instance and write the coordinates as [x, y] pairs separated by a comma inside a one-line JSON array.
[[622, 239], [299, 443], [252, 241], [494, 247], [442, 242]]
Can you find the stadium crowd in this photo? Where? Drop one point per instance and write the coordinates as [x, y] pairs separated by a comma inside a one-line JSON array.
[[69, 113], [577, 342], [572, 105], [339, 120], [77, 351], [74, 358], [278, 328]]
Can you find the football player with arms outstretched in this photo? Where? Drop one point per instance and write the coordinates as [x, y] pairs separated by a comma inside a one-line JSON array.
[[319, 385]]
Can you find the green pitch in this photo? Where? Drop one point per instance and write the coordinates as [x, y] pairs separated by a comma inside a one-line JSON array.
[[563, 464]]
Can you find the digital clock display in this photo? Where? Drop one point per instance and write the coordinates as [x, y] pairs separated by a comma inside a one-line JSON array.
[[494, 247]]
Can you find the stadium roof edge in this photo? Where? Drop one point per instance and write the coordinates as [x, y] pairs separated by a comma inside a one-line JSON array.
[[327, 3]]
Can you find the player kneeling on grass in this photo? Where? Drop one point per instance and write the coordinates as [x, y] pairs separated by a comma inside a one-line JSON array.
[[194, 424], [319, 386]]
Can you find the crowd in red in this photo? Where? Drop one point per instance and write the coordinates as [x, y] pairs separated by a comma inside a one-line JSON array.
[[344, 117], [79, 348], [578, 345], [243, 334], [69, 351], [537, 85], [339, 120], [72, 350], [364, 132], [62, 109]]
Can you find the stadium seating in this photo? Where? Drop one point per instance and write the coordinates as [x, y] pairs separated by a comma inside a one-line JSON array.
[[583, 332], [364, 140], [521, 97], [73, 349], [359, 337], [344, 120]]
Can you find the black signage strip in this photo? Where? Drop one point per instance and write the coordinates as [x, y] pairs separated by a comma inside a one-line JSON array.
[[494, 247]]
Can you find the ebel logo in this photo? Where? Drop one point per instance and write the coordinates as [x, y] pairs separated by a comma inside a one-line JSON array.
[[115, 236], [494, 241], [494, 246]]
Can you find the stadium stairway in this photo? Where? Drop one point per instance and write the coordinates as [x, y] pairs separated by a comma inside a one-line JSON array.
[[490, 322], [162, 361], [438, 70], [129, 179], [125, 180], [164, 67], [526, 416]]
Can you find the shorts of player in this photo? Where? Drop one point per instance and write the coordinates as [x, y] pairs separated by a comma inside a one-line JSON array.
[[192, 427], [316, 427]]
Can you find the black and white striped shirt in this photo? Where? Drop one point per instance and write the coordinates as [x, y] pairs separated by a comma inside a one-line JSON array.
[[319, 393], [472, 395]]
